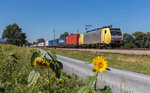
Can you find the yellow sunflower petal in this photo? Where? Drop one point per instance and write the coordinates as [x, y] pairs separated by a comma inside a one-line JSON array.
[[100, 64]]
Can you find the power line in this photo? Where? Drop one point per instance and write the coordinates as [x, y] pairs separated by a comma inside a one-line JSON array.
[[130, 19], [122, 13]]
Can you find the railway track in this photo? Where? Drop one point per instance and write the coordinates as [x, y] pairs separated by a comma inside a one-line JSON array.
[[140, 52]]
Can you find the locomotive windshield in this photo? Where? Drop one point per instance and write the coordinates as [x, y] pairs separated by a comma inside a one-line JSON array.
[[115, 32]]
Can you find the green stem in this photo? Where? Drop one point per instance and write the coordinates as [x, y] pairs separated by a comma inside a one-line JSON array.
[[49, 81], [95, 83]]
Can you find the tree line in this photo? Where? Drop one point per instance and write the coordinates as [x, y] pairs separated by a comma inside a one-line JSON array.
[[136, 40]]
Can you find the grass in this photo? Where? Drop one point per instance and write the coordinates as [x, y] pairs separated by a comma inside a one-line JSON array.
[[140, 64], [14, 70]]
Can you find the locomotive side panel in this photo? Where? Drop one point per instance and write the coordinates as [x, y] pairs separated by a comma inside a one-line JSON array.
[[93, 37]]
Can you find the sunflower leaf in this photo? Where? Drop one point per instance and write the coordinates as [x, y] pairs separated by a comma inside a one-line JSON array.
[[32, 78], [89, 81], [84, 89], [88, 62], [108, 69], [106, 89], [52, 55], [94, 70], [57, 67]]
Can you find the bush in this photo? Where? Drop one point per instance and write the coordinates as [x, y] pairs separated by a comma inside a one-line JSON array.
[[129, 45]]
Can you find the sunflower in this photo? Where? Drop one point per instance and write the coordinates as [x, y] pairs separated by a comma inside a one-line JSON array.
[[100, 64], [39, 62]]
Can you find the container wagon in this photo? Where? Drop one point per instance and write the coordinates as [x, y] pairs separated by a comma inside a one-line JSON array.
[[62, 42], [53, 43], [46, 43], [72, 40], [50, 43], [42, 44]]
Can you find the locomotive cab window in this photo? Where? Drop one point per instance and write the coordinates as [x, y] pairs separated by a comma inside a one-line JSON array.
[[118, 33], [115, 32], [105, 31]]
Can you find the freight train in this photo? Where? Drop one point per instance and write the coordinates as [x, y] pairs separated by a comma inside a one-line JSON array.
[[97, 38]]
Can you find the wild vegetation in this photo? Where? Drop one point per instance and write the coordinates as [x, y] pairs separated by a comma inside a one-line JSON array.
[[15, 67], [20, 69]]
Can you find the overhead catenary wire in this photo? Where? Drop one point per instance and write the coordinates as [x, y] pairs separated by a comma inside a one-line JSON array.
[[122, 13]]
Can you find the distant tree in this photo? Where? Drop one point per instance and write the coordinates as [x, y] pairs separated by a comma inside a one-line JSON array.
[[34, 42], [128, 38], [40, 40], [64, 35], [148, 40], [72, 34], [13, 35], [148, 36], [140, 39], [27, 43]]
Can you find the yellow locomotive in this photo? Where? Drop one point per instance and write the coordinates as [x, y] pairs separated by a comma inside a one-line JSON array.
[[101, 37]]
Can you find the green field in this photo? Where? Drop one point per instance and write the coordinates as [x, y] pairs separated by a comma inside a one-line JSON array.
[[140, 64], [14, 70]]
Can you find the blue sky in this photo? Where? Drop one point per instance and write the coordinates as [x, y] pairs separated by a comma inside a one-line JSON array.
[[38, 18]]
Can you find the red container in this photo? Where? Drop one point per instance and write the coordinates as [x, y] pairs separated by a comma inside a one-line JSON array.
[[72, 39]]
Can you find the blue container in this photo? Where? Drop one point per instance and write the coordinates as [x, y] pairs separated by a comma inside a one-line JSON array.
[[55, 42], [62, 41], [50, 43]]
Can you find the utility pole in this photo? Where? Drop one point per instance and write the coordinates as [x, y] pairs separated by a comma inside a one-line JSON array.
[[54, 33], [54, 37]]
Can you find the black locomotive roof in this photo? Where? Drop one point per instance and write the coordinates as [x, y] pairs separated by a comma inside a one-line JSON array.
[[102, 28]]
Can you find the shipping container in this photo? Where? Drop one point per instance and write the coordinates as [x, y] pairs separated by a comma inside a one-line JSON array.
[[50, 43], [46, 43], [41, 44], [72, 39], [53, 42], [62, 41]]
